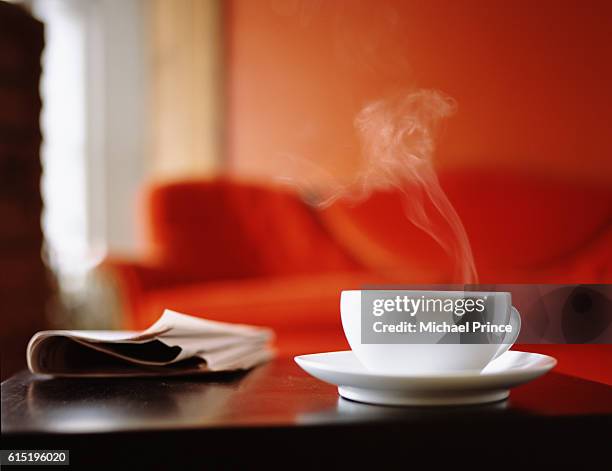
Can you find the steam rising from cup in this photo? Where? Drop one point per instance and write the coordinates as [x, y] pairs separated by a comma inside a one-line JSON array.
[[397, 137]]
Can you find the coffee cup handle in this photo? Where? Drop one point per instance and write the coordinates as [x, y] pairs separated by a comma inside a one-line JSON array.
[[515, 322]]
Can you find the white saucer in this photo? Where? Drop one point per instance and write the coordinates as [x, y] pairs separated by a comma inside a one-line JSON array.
[[457, 388]]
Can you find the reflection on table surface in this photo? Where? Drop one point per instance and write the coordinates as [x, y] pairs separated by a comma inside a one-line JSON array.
[[275, 394]]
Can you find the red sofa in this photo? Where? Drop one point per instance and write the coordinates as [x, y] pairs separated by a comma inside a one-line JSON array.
[[256, 253]]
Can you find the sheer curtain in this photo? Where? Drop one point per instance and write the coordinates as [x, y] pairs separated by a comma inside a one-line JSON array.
[[95, 125]]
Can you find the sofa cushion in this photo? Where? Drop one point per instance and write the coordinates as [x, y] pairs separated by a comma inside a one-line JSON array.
[[283, 303]]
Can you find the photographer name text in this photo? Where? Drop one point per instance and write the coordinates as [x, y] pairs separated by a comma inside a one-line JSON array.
[[405, 327]]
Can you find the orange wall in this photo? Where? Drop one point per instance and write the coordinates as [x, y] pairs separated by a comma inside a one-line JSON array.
[[532, 79]]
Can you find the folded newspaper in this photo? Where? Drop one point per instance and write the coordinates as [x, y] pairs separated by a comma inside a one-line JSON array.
[[176, 344]]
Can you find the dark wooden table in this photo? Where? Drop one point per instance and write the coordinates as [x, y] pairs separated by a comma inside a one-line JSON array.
[[276, 414]]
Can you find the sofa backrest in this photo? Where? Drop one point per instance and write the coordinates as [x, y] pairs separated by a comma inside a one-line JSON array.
[[517, 224], [229, 229]]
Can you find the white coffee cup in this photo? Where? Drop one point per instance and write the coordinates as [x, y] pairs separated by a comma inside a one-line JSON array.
[[426, 358]]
